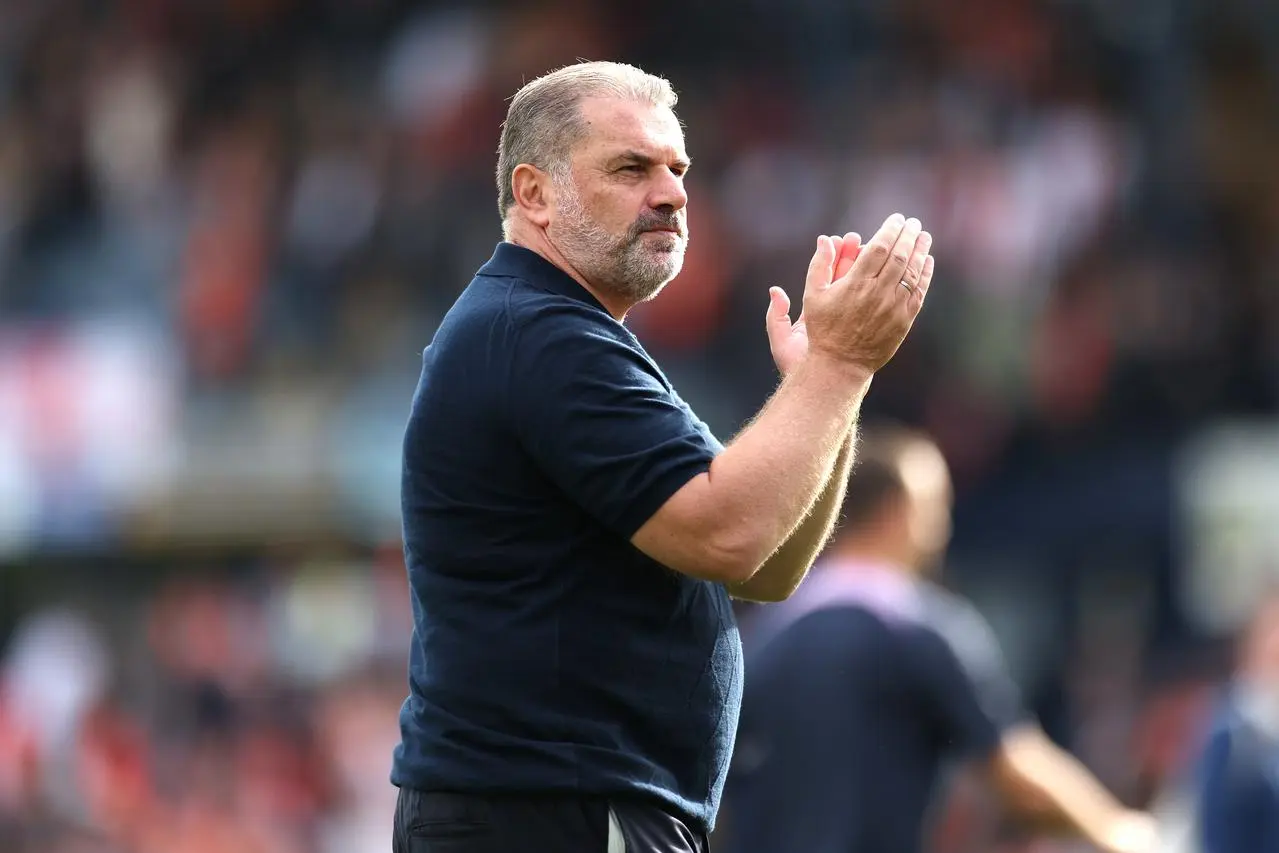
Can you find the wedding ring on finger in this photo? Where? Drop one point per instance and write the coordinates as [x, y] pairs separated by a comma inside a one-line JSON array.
[[906, 284]]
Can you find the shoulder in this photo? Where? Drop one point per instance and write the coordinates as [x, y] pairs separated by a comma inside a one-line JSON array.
[[957, 623], [536, 314], [509, 311], [554, 334], [480, 308]]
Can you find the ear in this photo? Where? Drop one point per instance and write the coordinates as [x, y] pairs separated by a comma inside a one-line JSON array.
[[534, 194], [895, 513]]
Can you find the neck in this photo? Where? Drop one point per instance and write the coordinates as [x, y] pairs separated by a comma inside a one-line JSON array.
[[535, 240]]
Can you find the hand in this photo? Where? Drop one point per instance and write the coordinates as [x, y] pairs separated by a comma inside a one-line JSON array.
[[1132, 832], [789, 341], [861, 317]]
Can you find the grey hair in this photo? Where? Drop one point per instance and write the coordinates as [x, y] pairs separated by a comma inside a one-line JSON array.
[[544, 122]]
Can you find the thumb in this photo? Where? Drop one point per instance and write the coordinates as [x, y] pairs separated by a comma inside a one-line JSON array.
[[778, 317], [821, 266]]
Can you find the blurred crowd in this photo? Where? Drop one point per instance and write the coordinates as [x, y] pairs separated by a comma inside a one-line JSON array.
[[292, 190], [248, 710], [289, 193], [248, 704]]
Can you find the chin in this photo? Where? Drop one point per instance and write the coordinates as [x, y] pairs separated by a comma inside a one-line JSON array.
[[645, 287], [669, 269], [650, 295]]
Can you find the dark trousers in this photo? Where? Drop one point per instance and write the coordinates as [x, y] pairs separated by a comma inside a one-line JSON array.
[[437, 822]]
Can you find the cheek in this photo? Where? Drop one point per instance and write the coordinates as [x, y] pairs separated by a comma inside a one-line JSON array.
[[616, 208]]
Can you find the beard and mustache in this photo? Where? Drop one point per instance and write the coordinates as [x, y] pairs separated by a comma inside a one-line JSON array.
[[631, 266]]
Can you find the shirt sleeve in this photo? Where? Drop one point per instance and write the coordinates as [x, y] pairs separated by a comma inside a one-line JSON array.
[[598, 417], [972, 698]]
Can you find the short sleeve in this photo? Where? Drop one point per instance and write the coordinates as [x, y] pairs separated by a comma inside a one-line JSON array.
[[599, 418], [966, 683]]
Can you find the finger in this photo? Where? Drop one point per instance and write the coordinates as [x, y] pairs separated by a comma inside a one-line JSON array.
[[894, 269], [838, 243], [915, 266], [874, 255], [925, 278], [852, 246], [819, 268], [915, 299]]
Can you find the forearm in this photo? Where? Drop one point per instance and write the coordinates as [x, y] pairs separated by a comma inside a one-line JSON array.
[[771, 475], [1053, 787], [784, 571], [724, 524]]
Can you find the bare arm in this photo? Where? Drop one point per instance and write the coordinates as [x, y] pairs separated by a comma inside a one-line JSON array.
[[786, 569], [723, 525], [1043, 781]]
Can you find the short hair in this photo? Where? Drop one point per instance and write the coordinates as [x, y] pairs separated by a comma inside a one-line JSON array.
[[544, 121], [878, 475]]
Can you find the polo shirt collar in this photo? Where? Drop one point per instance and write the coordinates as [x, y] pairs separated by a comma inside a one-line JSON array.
[[512, 261]]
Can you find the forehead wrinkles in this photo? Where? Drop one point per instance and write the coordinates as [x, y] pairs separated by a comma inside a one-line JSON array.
[[614, 127]]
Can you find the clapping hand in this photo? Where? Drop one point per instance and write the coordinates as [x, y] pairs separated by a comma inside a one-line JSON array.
[[789, 341], [859, 301]]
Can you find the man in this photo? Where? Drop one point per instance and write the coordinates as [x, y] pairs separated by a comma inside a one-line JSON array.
[[1237, 780], [573, 533], [861, 686]]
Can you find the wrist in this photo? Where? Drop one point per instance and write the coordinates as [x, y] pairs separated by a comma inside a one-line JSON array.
[[856, 377]]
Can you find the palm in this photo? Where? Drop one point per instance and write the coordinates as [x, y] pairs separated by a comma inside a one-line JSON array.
[[789, 341]]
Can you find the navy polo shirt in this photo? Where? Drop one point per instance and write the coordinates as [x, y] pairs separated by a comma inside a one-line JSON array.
[[548, 653], [861, 689]]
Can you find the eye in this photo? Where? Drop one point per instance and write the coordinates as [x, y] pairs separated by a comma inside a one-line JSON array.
[[634, 168]]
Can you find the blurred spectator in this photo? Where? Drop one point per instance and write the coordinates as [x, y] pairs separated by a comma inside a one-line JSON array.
[[1234, 804]]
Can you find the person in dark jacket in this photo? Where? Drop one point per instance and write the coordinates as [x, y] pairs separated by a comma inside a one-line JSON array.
[[871, 678]]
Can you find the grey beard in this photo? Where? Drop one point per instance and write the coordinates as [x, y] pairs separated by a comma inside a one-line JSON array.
[[616, 266], [612, 264]]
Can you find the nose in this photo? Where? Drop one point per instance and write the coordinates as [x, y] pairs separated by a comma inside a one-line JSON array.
[[668, 192]]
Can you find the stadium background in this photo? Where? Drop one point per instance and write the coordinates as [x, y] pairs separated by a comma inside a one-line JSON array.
[[228, 227]]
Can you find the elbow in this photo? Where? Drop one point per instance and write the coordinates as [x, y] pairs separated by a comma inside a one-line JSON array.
[[773, 594], [730, 559], [760, 596], [753, 569], [768, 586]]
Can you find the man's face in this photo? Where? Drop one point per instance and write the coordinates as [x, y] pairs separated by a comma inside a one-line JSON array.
[[929, 500], [619, 215]]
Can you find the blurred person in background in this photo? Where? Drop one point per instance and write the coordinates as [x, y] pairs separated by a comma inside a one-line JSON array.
[[1235, 806], [573, 532], [871, 679]]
